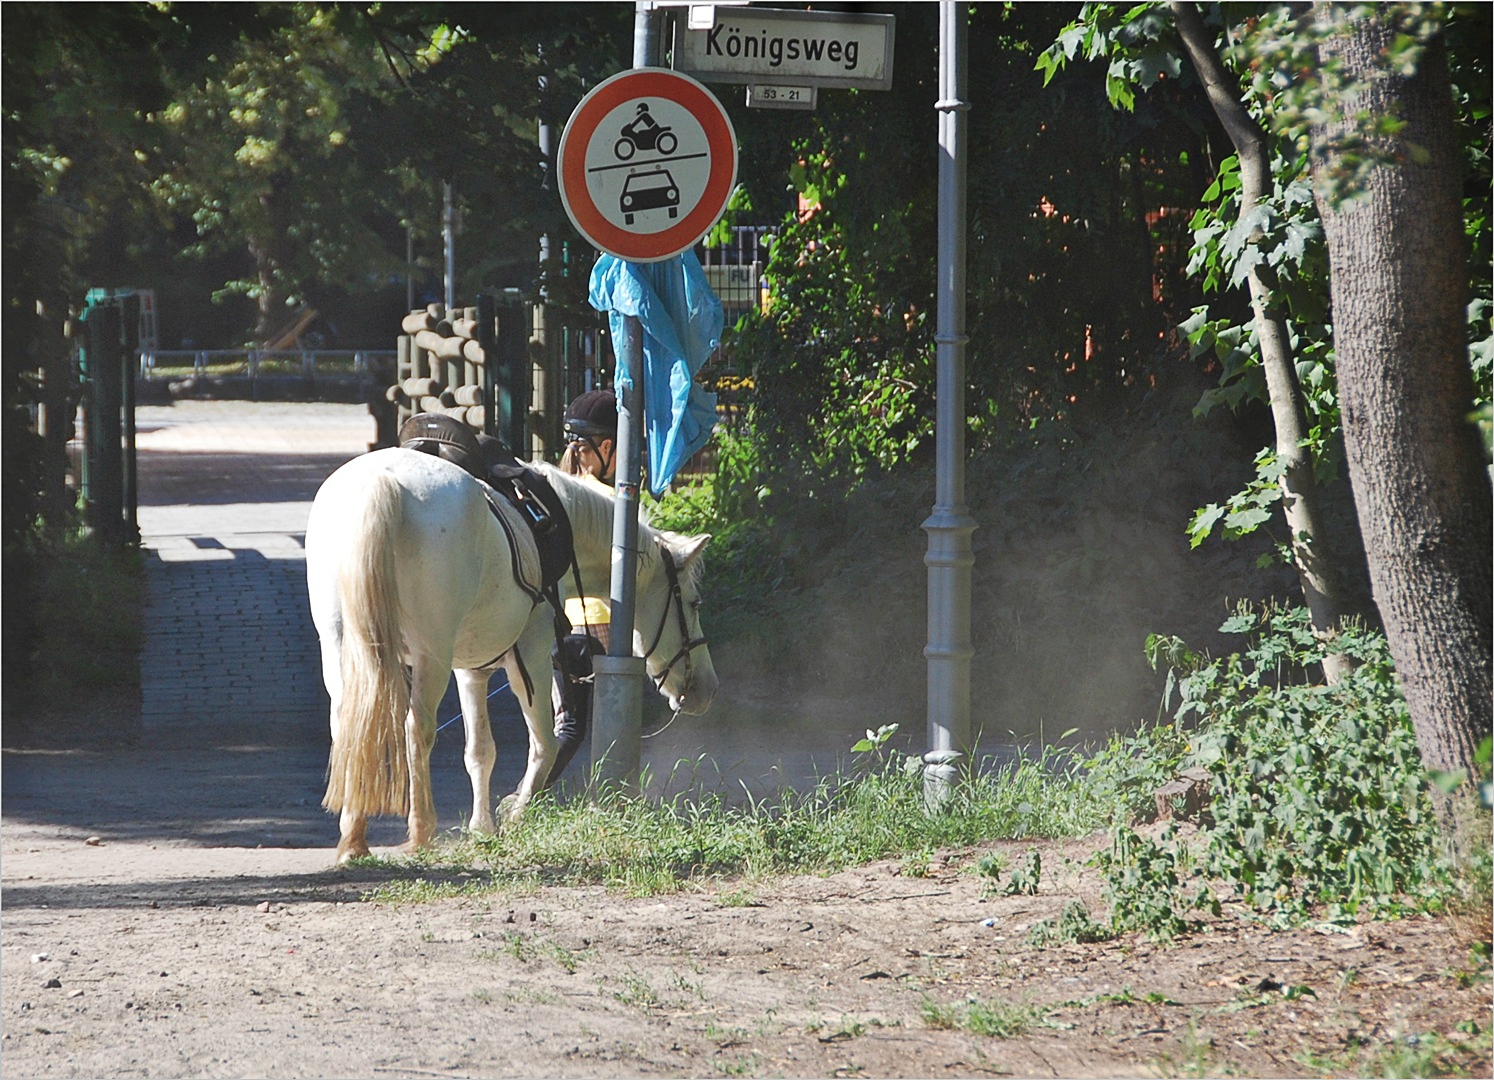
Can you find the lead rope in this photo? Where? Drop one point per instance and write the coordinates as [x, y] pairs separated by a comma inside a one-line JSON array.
[[663, 729]]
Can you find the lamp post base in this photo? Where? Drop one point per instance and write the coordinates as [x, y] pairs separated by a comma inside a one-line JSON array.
[[617, 720], [941, 774]]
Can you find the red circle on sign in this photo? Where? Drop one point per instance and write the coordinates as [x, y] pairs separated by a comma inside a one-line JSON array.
[[582, 128]]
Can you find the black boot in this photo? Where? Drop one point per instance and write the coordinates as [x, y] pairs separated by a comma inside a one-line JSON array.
[[572, 658]]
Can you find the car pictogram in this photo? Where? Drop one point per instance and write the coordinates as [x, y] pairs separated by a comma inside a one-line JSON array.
[[654, 189]]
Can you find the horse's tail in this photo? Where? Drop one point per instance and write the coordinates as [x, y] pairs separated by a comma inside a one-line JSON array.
[[368, 772]]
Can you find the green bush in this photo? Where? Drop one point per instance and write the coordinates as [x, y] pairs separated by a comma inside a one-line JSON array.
[[73, 623], [1318, 794]]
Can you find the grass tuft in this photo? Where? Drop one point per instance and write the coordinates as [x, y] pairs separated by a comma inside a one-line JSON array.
[[643, 847]]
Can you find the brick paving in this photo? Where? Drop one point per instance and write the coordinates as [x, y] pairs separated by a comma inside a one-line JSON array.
[[225, 490]]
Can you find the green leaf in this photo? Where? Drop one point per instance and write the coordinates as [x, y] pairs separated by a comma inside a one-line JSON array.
[[1203, 523], [1238, 624], [1247, 520]]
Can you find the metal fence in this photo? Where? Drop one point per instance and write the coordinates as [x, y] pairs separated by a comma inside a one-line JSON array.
[[261, 363]]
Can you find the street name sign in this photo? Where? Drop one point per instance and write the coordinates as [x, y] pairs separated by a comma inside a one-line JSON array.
[[647, 164], [787, 47]]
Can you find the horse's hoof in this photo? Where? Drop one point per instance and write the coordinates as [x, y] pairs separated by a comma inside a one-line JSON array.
[[346, 854], [482, 827], [510, 810]]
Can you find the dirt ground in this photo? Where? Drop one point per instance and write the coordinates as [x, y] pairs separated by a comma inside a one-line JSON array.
[[138, 956]]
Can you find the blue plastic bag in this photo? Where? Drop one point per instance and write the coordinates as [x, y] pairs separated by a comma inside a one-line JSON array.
[[682, 321]]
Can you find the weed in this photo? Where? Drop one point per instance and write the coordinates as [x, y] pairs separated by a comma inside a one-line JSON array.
[[1123, 996], [647, 847], [563, 957], [1318, 795], [636, 992], [990, 868], [1024, 879], [526, 996], [1073, 925], [694, 989], [1463, 1053], [917, 864], [418, 890], [484, 997], [1145, 884], [724, 1037], [1197, 1056], [995, 1019]]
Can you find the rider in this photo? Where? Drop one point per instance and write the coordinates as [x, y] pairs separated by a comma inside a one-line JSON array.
[[642, 123], [591, 436], [590, 450]]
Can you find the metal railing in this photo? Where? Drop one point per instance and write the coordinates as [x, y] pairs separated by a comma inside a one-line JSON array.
[[259, 363]]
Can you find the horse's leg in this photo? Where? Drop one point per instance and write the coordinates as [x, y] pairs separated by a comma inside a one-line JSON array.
[[353, 843], [480, 753], [427, 685], [533, 649]]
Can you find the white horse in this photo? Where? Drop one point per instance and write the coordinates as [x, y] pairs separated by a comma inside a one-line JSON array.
[[411, 576]]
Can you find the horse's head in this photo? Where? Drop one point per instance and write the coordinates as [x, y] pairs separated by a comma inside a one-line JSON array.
[[668, 623]]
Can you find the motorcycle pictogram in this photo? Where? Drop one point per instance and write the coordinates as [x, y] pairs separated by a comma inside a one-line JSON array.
[[644, 133]]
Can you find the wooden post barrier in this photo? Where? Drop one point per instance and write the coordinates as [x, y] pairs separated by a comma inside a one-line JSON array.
[[443, 367]]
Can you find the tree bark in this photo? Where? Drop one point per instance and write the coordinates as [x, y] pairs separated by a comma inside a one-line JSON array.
[[270, 304], [1397, 258], [268, 249], [1317, 565]]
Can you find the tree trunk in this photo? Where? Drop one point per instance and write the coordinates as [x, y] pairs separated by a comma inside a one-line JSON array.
[[1317, 565], [267, 247], [1399, 287], [270, 310]]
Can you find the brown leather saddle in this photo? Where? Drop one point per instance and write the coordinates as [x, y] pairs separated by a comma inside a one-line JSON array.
[[493, 463]]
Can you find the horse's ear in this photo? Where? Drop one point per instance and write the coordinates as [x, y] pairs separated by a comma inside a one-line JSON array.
[[692, 548]]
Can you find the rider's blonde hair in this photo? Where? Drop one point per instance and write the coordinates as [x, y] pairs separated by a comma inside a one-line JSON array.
[[570, 461]]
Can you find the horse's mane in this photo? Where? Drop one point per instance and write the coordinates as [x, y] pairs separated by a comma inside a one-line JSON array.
[[590, 504]]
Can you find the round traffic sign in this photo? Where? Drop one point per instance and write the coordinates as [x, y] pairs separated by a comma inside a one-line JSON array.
[[647, 163]]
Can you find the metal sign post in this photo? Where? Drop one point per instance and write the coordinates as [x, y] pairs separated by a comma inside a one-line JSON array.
[[646, 166], [617, 715]]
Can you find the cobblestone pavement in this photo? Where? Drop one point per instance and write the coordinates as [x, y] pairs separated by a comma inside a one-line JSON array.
[[225, 490]]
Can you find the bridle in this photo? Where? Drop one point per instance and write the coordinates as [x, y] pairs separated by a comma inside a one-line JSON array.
[[689, 644]]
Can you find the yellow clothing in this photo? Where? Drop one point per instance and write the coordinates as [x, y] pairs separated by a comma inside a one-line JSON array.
[[591, 610]]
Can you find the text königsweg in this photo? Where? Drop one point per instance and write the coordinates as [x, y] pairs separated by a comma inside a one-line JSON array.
[[729, 41]]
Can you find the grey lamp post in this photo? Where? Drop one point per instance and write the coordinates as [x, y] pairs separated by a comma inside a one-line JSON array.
[[949, 556]]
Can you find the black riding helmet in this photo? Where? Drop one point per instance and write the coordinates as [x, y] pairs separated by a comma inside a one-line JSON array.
[[593, 415]]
